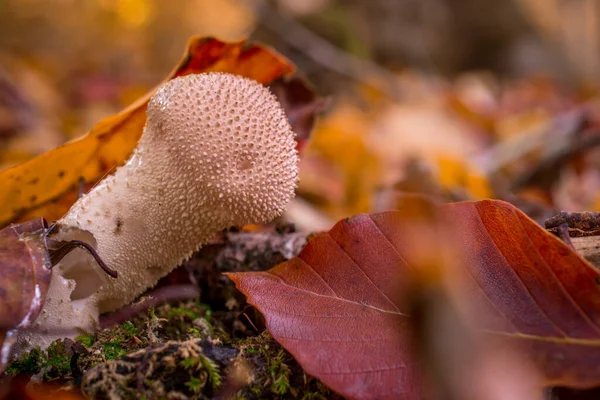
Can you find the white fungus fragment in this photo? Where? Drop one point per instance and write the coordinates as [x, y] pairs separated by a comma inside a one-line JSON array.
[[217, 148]]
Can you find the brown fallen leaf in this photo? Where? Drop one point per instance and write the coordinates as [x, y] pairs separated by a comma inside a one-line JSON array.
[[336, 307], [47, 185], [25, 264], [25, 269], [301, 105]]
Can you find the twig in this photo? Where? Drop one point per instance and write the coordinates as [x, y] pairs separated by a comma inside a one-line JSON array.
[[152, 299], [58, 250], [563, 233], [560, 154], [508, 151], [326, 54]]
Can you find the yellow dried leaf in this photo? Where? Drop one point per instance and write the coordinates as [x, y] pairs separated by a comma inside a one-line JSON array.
[[47, 185], [458, 174]]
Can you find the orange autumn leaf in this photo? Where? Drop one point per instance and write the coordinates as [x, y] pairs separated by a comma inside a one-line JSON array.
[[338, 307], [48, 184], [454, 174], [339, 167]]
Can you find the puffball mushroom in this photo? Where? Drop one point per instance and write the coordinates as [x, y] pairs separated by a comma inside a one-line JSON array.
[[217, 151]]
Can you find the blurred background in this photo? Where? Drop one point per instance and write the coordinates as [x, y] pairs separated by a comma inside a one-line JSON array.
[[454, 99]]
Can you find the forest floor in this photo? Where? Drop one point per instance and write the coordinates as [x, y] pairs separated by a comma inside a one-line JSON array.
[[213, 346]]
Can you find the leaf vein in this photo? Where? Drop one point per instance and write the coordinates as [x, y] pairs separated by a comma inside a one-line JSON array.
[[365, 274]]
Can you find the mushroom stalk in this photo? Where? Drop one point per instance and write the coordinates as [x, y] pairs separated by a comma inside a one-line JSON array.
[[217, 151]]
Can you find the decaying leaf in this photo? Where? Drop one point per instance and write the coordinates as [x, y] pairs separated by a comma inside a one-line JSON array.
[[25, 269], [25, 263], [300, 104], [47, 185], [336, 307]]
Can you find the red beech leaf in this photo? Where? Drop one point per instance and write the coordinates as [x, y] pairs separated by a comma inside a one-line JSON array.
[[334, 308], [337, 306], [533, 288]]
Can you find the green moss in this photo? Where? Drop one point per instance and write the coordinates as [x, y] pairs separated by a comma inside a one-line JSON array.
[[55, 362], [194, 332], [276, 374], [58, 360], [29, 363], [214, 375], [113, 350], [189, 363], [280, 373], [86, 340], [130, 329], [184, 320], [178, 312], [195, 384]]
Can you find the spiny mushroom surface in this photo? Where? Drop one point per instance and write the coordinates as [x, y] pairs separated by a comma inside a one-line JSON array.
[[217, 151]]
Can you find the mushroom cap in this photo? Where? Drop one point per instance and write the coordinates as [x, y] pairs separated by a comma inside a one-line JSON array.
[[243, 151]]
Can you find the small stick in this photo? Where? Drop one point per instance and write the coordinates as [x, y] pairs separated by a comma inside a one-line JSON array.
[[152, 299], [64, 248], [562, 231]]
